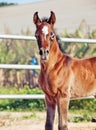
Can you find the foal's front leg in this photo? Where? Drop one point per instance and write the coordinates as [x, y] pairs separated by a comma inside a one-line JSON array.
[[50, 107], [63, 103]]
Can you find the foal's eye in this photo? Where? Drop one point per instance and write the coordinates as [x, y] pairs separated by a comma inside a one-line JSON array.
[[52, 35]]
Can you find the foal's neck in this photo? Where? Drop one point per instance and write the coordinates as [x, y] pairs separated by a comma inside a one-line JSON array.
[[54, 57]]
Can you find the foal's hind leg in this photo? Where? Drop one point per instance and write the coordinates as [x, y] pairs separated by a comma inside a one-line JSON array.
[[50, 107]]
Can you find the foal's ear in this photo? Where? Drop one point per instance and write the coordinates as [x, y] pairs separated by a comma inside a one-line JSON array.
[[36, 19], [52, 18]]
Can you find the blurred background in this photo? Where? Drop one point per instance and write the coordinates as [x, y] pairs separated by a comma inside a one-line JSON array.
[[74, 19]]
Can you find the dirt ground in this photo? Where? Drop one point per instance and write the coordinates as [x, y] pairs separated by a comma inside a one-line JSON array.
[[34, 121]]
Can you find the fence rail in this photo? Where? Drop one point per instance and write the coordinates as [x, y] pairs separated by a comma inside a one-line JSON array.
[[17, 37], [22, 96], [32, 96], [14, 66], [20, 37]]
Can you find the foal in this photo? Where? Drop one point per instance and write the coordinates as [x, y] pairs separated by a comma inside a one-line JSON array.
[[61, 76]]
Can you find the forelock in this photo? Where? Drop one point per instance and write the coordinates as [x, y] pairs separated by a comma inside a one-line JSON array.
[[44, 19]]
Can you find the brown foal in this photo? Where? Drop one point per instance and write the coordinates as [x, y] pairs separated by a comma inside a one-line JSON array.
[[61, 76]]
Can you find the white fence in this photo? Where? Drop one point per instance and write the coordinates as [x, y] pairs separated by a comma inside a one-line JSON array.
[[32, 96], [19, 37], [14, 66]]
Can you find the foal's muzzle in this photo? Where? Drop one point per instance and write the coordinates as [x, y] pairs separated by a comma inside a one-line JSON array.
[[44, 54]]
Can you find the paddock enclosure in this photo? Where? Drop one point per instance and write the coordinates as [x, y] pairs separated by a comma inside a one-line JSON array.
[[28, 67], [31, 123]]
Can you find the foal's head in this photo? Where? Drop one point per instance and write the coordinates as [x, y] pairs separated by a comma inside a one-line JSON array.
[[44, 34]]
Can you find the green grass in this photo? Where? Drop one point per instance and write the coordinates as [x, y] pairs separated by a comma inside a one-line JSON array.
[[14, 90], [81, 115], [21, 104], [83, 110]]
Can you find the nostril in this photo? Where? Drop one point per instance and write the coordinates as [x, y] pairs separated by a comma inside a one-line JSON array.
[[40, 52], [47, 51], [43, 52]]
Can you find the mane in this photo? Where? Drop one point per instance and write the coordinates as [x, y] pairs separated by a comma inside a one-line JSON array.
[[59, 42]]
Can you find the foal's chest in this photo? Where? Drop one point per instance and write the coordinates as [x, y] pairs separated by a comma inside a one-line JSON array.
[[48, 83], [54, 80]]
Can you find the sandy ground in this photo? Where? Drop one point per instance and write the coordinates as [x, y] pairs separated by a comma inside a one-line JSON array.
[[17, 121], [69, 14]]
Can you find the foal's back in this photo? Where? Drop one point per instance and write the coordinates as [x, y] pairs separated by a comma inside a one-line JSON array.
[[83, 79]]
